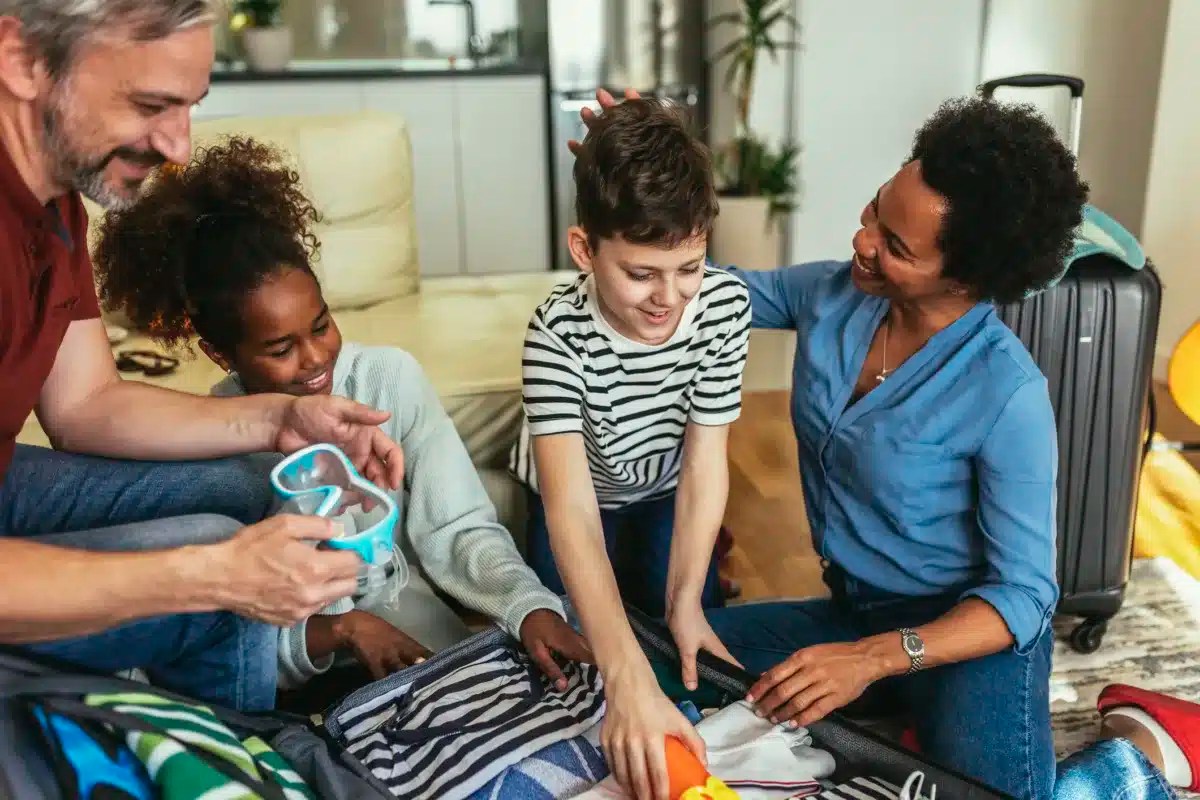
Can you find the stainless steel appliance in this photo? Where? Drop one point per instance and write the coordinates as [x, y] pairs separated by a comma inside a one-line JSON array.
[[654, 46]]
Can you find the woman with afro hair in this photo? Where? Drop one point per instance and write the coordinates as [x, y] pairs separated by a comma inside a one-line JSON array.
[[222, 250], [928, 459]]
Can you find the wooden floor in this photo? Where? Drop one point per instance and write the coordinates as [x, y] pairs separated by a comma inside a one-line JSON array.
[[772, 552]]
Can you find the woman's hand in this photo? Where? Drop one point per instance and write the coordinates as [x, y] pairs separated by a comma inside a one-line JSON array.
[[817, 680], [692, 634], [377, 644], [634, 731], [543, 634], [606, 100]]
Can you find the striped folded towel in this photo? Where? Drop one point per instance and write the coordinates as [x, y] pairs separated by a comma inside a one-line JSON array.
[[180, 759]]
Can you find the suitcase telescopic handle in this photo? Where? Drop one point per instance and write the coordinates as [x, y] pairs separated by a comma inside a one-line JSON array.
[[1038, 80], [1035, 80]]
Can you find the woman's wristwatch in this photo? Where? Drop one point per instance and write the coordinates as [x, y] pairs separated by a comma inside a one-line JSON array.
[[914, 646]]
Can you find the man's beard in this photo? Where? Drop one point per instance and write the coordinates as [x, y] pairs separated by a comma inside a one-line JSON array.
[[70, 166]]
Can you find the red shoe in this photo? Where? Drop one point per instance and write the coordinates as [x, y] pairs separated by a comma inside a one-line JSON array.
[[1179, 718]]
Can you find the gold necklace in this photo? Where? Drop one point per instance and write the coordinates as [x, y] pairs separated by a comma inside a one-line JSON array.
[[883, 371]]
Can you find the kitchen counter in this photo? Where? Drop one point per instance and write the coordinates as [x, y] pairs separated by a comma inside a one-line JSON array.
[[369, 68]]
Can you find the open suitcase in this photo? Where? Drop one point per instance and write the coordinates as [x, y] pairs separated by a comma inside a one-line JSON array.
[[29, 767], [1093, 337]]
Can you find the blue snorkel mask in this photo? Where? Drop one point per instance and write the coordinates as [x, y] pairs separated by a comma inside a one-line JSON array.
[[320, 481]]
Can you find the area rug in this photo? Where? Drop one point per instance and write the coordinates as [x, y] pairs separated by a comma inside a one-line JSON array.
[[1153, 643]]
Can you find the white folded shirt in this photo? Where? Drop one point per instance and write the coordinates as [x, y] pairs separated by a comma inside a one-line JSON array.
[[752, 756]]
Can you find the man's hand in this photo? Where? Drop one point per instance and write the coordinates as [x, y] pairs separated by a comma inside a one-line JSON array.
[[271, 571], [377, 644], [692, 634], [351, 426], [815, 681], [544, 634], [634, 731], [606, 100]]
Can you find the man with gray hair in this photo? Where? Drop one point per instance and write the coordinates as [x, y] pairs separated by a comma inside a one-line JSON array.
[[94, 94]]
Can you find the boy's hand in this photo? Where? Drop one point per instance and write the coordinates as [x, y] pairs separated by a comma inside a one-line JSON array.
[[606, 100], [377, 644], [633, 734], [544, 633], [692, 634]]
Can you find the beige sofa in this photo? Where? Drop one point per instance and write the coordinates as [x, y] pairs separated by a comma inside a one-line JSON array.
[[467, 331]]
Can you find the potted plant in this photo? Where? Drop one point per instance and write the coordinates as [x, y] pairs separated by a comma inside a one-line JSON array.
[[266, 41], [757, 181]]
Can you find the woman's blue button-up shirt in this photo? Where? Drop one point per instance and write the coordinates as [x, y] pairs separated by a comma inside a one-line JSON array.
[[943, 475]]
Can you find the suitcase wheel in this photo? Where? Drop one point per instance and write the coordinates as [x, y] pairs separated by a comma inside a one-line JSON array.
[[1088, 635]]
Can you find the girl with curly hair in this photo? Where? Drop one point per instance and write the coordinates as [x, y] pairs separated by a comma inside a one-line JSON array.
[[222, 250]]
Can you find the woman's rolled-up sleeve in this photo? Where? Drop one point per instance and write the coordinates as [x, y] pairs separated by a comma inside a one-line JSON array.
[[1017, 468]]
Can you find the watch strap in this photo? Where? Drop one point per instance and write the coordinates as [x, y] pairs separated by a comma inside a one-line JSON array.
[[917, 659]]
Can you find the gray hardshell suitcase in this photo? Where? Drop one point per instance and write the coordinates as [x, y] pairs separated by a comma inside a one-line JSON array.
[[1093, 337]]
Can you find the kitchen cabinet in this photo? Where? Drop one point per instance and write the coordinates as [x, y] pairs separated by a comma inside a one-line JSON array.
[[428, 109], [480, 164], [279, 98], [502, 145]]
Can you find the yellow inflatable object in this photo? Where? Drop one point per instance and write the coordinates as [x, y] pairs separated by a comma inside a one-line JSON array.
[[1168, 511], [713, 789], [1183, 374]]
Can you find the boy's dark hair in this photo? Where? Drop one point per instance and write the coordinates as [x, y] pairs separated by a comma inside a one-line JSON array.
[[642, 175], [1013, 196], [202, 237]]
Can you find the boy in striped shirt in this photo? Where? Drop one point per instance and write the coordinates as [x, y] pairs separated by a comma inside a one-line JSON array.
[[632, 375]]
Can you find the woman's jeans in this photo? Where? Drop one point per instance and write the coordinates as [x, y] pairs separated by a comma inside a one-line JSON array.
[[988, 718], [89, 503], [638, 540]]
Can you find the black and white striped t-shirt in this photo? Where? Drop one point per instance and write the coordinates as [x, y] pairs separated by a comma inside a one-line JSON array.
[[443, 729], [631, 401]]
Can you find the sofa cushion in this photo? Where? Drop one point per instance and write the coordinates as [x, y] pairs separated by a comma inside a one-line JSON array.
[[357, 171]]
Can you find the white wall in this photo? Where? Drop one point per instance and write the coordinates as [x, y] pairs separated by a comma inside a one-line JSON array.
[[1116, 47], [1171, 230], [870, 72]]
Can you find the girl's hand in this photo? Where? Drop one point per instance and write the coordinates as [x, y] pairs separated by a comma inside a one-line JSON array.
[[377, 644], [544, 634]]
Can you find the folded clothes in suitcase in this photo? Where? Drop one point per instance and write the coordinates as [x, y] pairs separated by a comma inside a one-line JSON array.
[[861, 757], [443, 729], [459, 722]]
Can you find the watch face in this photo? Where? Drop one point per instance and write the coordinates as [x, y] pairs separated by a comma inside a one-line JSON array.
[[913, 644]]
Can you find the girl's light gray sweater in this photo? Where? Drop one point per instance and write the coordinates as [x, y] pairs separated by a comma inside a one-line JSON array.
[[447, 521]]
